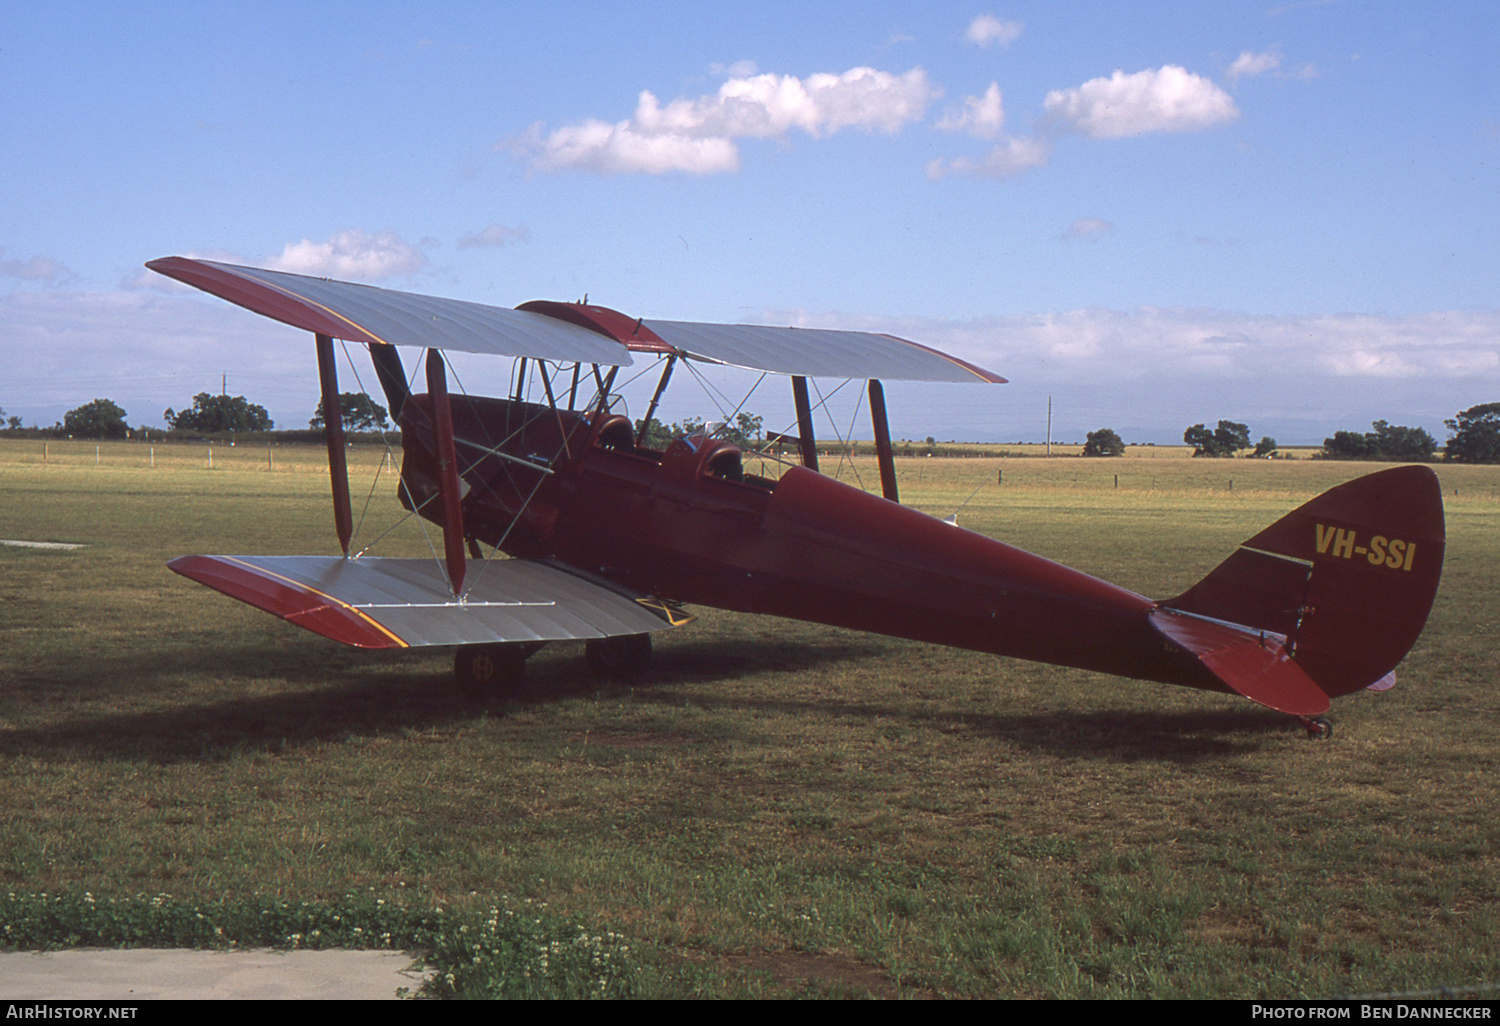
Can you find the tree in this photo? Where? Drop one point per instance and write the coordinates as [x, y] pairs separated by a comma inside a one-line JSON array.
[[1387, 442], [1349, 445], [1476, 435], [1403, 444], [1103, 442], [219, 413], [98, 419], [358, 410], [1225, 440], [653, 434], [744, 432], [1265, 448]]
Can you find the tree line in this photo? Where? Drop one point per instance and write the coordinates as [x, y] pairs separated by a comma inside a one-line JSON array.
[[1475, 439], [1475, 431], [744, 431], [208, 414]]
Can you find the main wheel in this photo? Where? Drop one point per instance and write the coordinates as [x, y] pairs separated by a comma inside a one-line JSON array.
[[487, 671], [618, 657], [1319, 729]]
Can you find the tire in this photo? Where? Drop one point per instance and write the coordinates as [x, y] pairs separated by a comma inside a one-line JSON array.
[[619, 657]]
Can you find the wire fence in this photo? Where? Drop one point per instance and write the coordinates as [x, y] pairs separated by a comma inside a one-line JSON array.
[[1127, 478]]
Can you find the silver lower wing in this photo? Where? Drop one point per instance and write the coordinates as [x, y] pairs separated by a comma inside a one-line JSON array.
[[404, 603]]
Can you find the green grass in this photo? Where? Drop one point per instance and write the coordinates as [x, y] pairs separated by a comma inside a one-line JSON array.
[[777, 809]]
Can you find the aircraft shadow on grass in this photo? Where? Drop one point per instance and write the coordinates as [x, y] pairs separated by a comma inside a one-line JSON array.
[[360, 694]]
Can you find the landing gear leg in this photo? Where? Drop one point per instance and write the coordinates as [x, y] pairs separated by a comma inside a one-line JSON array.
[[619, 657], [490, 671], [1318, 728]]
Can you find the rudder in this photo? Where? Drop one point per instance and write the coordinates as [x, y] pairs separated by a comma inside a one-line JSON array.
[[1348, 578]]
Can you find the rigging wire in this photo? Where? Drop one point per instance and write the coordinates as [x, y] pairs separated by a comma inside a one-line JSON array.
[[506, 460], [349, 360], [416, 506], [834, 427]]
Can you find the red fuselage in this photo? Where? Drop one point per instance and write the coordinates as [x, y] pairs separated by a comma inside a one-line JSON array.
[[689, 526]]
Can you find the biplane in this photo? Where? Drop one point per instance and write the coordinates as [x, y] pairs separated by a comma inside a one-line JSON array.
[[559, 522]]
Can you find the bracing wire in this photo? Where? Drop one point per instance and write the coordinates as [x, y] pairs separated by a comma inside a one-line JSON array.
[[349, 360], [834, 427], [709, 389], [416, 506], [859, 403], [821, 404]]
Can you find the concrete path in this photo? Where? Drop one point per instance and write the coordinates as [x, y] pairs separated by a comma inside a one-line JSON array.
[[155, 974]]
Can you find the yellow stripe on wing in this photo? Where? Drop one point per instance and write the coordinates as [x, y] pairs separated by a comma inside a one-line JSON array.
[[313, 302]]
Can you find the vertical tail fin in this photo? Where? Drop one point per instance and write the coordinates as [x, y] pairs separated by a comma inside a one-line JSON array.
[[1347, 578]]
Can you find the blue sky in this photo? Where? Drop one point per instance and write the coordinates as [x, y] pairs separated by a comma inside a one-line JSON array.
[[1157, 214]]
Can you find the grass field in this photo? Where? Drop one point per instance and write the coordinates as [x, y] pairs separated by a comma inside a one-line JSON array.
[[777, 808]]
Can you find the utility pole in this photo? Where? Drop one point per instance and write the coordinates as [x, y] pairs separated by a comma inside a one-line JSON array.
[[1049, 427]]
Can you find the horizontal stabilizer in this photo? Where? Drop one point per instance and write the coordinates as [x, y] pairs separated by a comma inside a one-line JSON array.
[[403, 603], [1248, 662]]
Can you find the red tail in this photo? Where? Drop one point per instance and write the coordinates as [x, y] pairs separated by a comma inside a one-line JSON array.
[[1347, 578]]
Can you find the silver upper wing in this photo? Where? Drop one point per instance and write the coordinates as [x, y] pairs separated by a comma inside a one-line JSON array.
[[363, 313], [816, 352]]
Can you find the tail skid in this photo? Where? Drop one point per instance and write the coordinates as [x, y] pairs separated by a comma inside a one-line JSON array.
[[1324, 602]]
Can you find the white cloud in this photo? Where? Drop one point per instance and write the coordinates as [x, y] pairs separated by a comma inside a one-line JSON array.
[[621, 149], [982, 116], [494, 235], [352, 253], [1088, 228], [739, 69], [1009, 158], [768, 106], [39, 268], [1169, 99], [697, 136], [987, 29], [1154, 370], [1249, 64], [1155, 342]]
